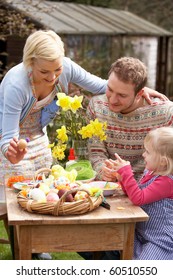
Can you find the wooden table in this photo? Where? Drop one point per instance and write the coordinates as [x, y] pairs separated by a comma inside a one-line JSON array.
[[99, 230]]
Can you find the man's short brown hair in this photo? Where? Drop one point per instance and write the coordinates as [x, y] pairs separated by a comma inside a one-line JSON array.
[[130, 70]]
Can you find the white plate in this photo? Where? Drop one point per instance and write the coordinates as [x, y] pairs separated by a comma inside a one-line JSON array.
[[106, 191], [21, 185]]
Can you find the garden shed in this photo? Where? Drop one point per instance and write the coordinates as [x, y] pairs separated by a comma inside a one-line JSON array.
[[95, 37]]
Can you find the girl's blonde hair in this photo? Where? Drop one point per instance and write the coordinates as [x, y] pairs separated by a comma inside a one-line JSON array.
[[42, 44], [161, 140]]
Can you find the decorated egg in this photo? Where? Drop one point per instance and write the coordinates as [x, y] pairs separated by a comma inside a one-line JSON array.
[[68, 198], [37, 195], [80, 195], [62, 182], [52, 197], [61, 192]]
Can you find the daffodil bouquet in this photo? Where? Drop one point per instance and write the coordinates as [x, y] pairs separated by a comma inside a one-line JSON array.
[[74, 124]]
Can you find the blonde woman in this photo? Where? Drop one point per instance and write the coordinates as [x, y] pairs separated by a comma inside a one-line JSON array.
[[27, 102], [154, 193]]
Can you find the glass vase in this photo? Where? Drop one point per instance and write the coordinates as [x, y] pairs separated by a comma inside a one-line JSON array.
[[80, 148]]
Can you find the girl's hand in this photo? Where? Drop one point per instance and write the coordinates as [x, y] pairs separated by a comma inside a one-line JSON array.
[[119, 162], [109, 170], [14, 153], [147, 93]]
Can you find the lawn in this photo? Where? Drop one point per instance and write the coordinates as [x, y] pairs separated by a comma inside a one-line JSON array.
[[5, 250]]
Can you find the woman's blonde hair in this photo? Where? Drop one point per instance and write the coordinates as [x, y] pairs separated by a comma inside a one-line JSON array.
[[161, 140], [42, 44]]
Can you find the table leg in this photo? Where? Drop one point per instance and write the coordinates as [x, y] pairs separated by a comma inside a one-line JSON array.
[[24, 239], [14, 242], [128, 247]]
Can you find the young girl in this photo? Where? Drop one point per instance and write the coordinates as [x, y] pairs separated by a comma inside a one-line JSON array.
[[154, 193]]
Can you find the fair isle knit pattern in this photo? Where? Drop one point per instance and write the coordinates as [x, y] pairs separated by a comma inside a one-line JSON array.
[[126, 132]]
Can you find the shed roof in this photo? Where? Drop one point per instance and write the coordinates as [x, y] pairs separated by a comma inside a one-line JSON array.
[[69, 18]]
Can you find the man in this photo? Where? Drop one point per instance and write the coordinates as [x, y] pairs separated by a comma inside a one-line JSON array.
[[129, 118]]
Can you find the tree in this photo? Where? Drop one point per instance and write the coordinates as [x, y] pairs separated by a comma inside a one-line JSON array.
[[11, 23]]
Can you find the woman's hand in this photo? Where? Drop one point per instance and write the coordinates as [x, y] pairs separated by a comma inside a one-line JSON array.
[[109, 170], [147, 93], [14, 153]]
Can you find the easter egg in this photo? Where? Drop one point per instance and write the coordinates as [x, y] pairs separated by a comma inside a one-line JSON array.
[[62, 183], [74, 186], [61, 192], [62, 180], [80, 195], [52, 197], [68, 198], [37, 195], [22, 144]]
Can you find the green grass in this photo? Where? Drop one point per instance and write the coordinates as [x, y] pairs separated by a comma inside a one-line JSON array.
[[5, 250]]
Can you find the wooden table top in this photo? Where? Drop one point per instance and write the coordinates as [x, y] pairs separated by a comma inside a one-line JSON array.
[[129, 213]]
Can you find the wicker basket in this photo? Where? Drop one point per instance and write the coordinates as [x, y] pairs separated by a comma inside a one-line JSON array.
[[61, 207], [41, 171]]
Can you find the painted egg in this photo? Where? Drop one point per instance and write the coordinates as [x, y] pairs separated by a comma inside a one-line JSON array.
[[80, 195], [52, 197], [37, 195], [62, 182]]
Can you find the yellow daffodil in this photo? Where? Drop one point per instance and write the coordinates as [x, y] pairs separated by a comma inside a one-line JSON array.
[[86, 132], [51, 145], [94, 128], [58, 152], [62, 134], [76, 103], [63, 101]]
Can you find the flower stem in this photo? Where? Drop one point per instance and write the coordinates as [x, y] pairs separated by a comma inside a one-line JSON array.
[[74, 127]]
